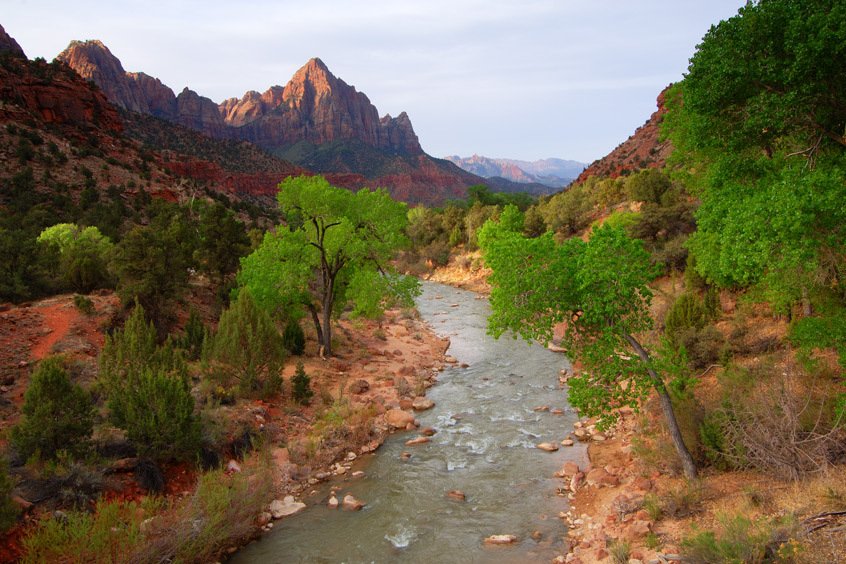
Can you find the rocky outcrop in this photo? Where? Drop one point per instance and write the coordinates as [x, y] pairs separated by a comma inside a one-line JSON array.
[[8, 43], [56, 95], [159, 99], [643, 149], [200, 113], [552, 173]]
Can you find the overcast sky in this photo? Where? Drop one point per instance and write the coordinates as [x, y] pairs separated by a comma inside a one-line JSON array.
[[523, 79]]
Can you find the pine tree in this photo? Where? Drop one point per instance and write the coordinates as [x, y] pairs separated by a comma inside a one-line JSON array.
[[301, 385]]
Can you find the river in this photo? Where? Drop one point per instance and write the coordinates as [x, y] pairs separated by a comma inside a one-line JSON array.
[[487, 430]]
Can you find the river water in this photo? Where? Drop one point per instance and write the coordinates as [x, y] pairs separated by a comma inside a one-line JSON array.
[[487, 430]]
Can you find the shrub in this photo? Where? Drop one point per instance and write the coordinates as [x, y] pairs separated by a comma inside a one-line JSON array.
[[84, 304], [83, 255], [687, 312], [246, 351], [57, 414], [157, 413], [620, 551], [194, 335], [301, 385], [741, 539], [8, 511], [294, 338], [703, 346]]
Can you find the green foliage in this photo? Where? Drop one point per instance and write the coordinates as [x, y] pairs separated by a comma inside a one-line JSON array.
[[293, 338], [83, 255], [8, 510], [761, 141], [194, 335], [222, 241], [246, 351], [821, 332], [687, 312], [301, 386], [58, 415], [152, 262], [157, 412], [330, 256], [742, 539], [570, 211], [84, 304], [648, 185]]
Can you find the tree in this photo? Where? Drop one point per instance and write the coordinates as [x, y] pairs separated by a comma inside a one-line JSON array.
[[152, 262], [246, 350], [599, 290], [57, 414], [222, 241], [84, 255], [759, 120], [337, 251], [301, 385]]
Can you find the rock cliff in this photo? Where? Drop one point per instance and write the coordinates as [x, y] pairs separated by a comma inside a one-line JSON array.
[[8, 43], [643, 149]]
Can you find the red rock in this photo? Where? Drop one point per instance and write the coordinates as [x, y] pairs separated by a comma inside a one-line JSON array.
[[8, 43], [599, 477]]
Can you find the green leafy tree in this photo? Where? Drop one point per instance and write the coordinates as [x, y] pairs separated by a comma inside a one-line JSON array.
[[57, 414], [84, 255], [338, 251], [246, 350], [599, 290], [759, 130]]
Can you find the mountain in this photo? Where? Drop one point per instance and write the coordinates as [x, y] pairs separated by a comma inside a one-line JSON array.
[[8, 43], [316, 121], [552, 173], [643, 149]]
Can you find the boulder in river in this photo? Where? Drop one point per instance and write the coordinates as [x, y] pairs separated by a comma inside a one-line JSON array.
[[457, 495], [418, 441], [422, 404], [350, 503], [548, 447], [501, 539], [399, 419], [284, 507]]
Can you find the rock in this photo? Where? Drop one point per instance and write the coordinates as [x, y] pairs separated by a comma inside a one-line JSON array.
[[263, 518], [576, 481], [637, 529], [642, 483], [124, 465], [358, 474], [350, 503], [332, 503], [405, 456], [567, 442], [599, 477], [406, 403], [233, 466], [427, 431], [399, 419], [422, 404], [457, 495], [570, 468], [557, 411], [537, 535], [417, 441], [598, 437], [450, 359], [285, 507], [581, 434], [359, 386], [501, 539], [548, 447], [370, 447], [541, 408], [351, 456]]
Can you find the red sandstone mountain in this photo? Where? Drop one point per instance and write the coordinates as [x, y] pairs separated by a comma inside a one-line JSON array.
[[642, 149], [317, 121], [8, 43]]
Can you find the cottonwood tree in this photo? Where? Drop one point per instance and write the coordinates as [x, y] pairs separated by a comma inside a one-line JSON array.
[[598, 289], [334, 252]]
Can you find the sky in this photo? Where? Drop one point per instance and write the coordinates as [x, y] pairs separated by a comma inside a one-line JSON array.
[[524, 79]]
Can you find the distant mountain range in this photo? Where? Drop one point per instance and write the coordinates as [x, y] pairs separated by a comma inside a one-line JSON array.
[[552, 173]]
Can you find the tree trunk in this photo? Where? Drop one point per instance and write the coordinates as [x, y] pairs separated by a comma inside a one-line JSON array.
[[688, 464], [316, 319], [807, 310]]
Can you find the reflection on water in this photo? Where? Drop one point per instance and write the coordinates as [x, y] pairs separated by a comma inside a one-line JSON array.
[[484, 446]]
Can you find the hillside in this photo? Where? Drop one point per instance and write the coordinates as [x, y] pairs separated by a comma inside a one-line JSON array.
[[552, 173]]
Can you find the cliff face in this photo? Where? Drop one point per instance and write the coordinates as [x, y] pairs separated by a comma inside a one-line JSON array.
[[8, 43], [316, 107], [642, 149]]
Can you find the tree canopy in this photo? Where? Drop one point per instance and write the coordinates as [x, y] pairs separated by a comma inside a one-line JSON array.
[[335, 251], [598, 289]]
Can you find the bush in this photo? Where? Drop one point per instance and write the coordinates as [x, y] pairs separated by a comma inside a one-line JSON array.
[[246, 351], [741, 539], [703, 346], [57, 414], [8, 510], [294, 338], [158, 416], [194, 336], [84, 304], [687, 312], [301, 384]]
